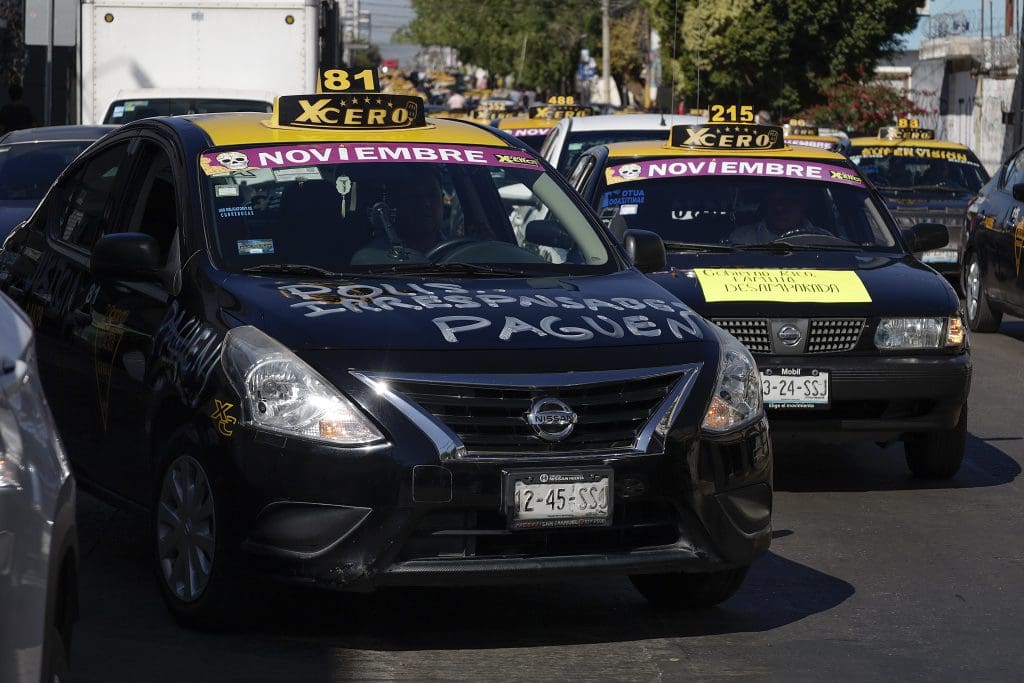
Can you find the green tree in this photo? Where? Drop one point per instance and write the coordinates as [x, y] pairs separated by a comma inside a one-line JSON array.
[[538, 41], [775, 54]]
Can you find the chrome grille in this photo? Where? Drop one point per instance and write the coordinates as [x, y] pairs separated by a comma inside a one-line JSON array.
[[491, 419], [825, 335], [831, 335], [753, 333]]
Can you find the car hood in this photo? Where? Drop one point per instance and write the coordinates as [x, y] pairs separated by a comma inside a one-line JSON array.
[[13, 212], [381, 314], [891, 285]]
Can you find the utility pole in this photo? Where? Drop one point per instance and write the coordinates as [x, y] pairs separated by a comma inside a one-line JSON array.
[[606, 52]]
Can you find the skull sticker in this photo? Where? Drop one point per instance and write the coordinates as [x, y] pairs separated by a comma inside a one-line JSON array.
[[629, 171], [236, 161]]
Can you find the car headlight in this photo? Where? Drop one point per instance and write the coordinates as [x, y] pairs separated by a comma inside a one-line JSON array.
[[736, 400], [919, 333], [281, 393]]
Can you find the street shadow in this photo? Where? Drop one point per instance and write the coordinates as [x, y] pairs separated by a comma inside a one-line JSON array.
[[125, 633], [818, 467]]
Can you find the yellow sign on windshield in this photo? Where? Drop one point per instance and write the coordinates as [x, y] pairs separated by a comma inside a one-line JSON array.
[[778, 284]]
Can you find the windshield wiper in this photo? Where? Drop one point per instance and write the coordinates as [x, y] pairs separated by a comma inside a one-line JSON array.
[[954, 189], [783, 246], [459, 268], [291, 269], [697, 246]]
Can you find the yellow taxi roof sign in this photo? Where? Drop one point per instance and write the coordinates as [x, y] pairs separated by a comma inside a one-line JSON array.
[[347, 80], [733, 136], [354, 111]]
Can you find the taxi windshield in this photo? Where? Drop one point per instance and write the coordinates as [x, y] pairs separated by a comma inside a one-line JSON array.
[[748, 212], [395, 207], [903, 168]]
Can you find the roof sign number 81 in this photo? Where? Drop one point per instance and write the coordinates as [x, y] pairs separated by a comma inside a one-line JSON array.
[[343, 80], [732, 114]]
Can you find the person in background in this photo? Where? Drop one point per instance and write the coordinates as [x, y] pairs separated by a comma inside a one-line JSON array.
[[15, 115], [456, 102]]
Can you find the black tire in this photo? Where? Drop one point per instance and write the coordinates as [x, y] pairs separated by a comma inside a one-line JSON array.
[[937, 455], [213, 605], [981, 317], [694, 591], [55, 668]]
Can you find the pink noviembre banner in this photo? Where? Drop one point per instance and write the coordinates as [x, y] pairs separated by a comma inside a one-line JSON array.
[[730, 166]]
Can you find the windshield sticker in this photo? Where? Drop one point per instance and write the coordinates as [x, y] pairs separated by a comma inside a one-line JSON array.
[[248, 247], [283, 175], [226, 190], [217, 163], [915, 152], [235, 211], [776, 284], [715, 166], [619, 197], [820, 144], [527, 132], [628, 209], [617, 317]]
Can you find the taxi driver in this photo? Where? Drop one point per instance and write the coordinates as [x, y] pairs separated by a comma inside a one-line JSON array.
[[782, 213]]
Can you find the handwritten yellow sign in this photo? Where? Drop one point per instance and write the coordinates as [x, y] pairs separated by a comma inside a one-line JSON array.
[[778, 284]]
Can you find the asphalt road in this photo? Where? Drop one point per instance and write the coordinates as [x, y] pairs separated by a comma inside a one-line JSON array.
[[872, 575]]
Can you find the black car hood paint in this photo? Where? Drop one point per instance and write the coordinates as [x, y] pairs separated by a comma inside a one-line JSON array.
[[452, 314], [897, 285]]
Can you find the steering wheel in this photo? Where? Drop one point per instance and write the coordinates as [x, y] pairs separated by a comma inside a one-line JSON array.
[[803, 230], [438, 251]]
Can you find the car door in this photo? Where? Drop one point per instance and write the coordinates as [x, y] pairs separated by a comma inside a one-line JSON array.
[[127, 315], [999, 249], [53, 286]]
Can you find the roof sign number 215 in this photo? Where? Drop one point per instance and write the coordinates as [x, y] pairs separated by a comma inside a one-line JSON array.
[[732, 114]]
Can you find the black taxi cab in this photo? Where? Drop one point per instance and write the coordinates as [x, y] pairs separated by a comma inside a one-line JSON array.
[[533, 127], [789, 250], [311, 345], [922, 179], [992, 251]]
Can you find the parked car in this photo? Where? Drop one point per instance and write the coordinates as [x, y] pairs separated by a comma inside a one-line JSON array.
[[38, 533], [992, 252], [31, 159], [373, 381]]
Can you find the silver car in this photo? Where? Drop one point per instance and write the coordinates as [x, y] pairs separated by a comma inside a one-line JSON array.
[[38, 535]]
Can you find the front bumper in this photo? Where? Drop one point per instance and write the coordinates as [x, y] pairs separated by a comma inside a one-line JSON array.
[[387, 517], [875, 397]]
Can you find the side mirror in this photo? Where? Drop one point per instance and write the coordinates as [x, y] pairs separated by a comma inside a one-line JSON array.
[[549, 233], [126, 256], [926, 237], [646, 249], [1018, 192]]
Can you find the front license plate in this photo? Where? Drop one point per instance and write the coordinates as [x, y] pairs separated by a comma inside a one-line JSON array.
[[940, 256], [794, 388], [544, 499]]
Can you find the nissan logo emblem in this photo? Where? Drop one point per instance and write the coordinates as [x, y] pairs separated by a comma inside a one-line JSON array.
[[789, 335], [551, 419]]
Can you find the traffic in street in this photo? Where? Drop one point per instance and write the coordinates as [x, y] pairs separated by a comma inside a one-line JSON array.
[[468, 340], [872, 575]]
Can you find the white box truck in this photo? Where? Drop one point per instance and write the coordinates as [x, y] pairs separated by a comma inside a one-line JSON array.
[[228, 49]]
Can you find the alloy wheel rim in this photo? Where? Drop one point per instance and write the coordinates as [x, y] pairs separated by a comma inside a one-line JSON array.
[[973, 289], [185, 528]]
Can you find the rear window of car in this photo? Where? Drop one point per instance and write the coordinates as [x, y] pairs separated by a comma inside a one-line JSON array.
[[123, 111]]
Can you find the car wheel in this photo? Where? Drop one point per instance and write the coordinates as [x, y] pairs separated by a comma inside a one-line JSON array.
[[56, 667], [980, 316], [190, 533], [684, 590], [937, 455]]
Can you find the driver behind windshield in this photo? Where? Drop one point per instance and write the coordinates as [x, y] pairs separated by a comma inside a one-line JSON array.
[[782, 213]]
